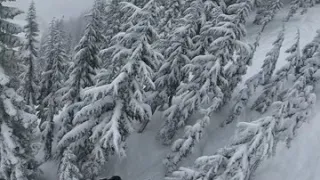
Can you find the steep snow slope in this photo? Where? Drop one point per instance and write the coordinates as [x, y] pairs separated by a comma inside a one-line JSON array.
[[145, 153], [302, 160]]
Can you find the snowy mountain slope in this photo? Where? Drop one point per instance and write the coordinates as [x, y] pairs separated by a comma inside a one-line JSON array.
[[301, 161], [145, 154]]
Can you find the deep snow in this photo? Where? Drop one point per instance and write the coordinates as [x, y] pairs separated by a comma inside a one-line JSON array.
[[300, 162]]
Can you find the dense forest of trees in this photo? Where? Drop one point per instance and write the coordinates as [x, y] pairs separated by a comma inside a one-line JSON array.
[[75, 95]]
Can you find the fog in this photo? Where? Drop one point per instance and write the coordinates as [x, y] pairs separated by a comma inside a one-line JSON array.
[[47, 9]]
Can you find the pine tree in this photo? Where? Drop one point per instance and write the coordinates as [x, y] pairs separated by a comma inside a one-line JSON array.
[[86, 62], [237, 14], [101, 17], [114, 20], [179, 112], [295, 5], [272, 56], [214, 45], [86, 58], [243, 97], [111, 108], [259, 79], [45, 85], [63, 45], [179, 47], [275, 87], [52, 80], [171, 14], [17, 133], [69, 46], [68, 168], [17, 125], [210, 82], [122, 23], [54, 75], [265, 14], [30, 55], [41, 64], [267, 11], [311, 48], [177, 55]]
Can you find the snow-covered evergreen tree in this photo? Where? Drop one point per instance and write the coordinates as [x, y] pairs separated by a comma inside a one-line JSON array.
[[47, 128], [54, 75], [63, 45], [265, 14], [41, 63], [179, 46], [177, 55], [172, 12], [311, 48], [275, 88], [215, 46], [114, 20], [68, 169], [9, 38], [30, 55], [112, 108], [235, 52], [126, 22], [295, 5], [178, 113], [267, 11], [259, 79], [45, 85], [243, 97], [52, 80], [272, 57], [69, 45], [83, 70], [100, 14], [17, 125], [277, 84], [212, 83], [17, 133], [86, 58]]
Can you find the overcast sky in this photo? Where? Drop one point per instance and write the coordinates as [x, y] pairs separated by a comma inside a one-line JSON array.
[[47, 9]]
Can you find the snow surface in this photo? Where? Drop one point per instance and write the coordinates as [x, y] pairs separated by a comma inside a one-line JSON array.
[[300, 162]]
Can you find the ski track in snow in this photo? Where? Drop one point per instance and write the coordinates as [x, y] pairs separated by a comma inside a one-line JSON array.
[[300, 162]]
